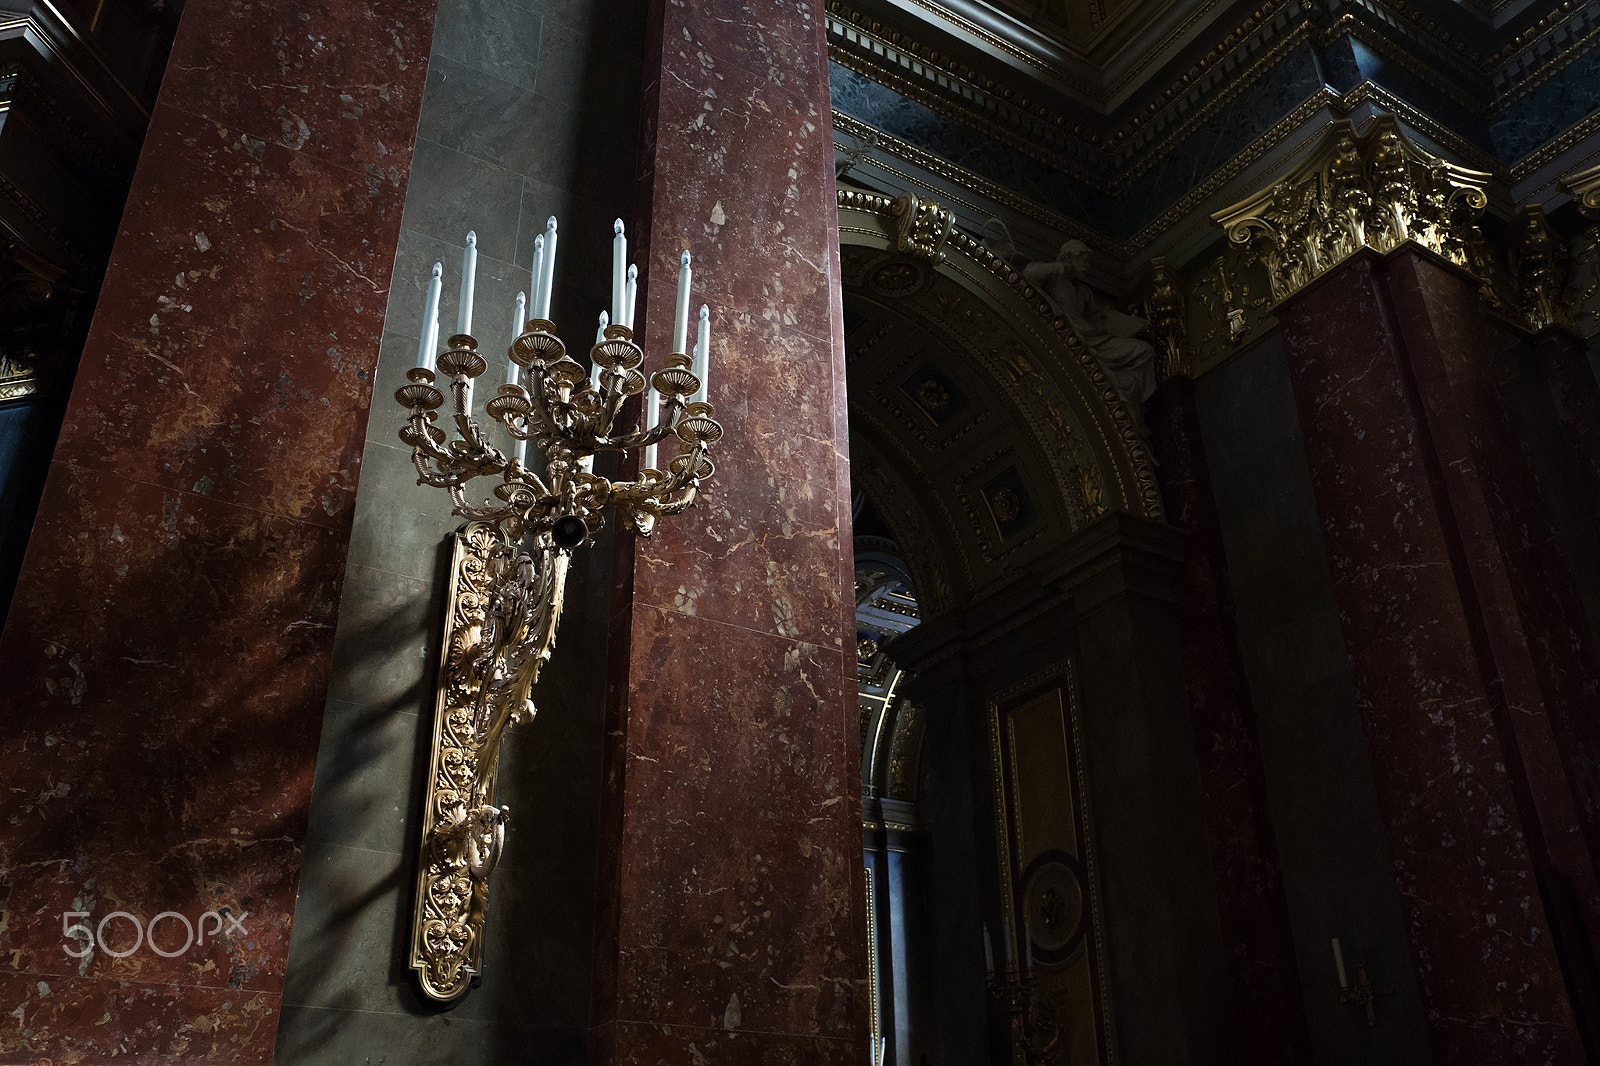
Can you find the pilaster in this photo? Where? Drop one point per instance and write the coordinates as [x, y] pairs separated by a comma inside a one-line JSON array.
[[731, 920], [167, 652]]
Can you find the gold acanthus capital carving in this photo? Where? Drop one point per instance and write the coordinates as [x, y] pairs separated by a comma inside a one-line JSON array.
[[1539, 265], [1584, 187], [1370, 189]]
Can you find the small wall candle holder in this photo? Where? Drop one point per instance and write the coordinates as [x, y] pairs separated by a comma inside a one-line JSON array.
[[509, 570], [1363, 992], [1035, 1031]]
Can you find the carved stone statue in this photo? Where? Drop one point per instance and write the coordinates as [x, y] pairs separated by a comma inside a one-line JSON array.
[[1128, 361]]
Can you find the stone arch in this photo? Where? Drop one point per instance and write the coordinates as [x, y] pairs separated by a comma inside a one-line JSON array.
[[1005, 467], [983, 430]]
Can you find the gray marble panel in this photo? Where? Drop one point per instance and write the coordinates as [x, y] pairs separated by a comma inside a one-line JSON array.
[[387, 640], [583, 256], [318, 1035], [579, 14], [451, 193], [493, 36], [499, 122], [493, 307], [564, 67], [400, 526], [369, 772], [351, 932], [558, 787]]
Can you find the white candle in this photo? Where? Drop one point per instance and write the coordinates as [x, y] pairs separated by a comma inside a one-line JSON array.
[[680, 321], [519, 322], [1338, 962], [431, 341], [619, 256], [652, 416], [701, 368], [630, 295], [469, 282], [538, 272], [430, 312], [519, 451], [594, 367], [541, 301]]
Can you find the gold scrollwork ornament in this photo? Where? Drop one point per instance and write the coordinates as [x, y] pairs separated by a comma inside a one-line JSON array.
[[921, 226]]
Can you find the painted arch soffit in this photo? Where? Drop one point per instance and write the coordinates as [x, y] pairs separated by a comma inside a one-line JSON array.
[[1081, 441], [925, 531]]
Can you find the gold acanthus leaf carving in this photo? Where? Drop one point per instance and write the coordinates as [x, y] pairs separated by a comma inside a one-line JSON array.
[[1584, 187], [1374, 189], [1539, 265]]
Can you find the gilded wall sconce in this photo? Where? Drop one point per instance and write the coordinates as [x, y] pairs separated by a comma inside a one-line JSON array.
[[510, 562]]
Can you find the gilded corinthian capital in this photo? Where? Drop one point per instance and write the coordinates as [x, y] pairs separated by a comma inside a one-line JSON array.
[[1374, 189], [1584, 187]]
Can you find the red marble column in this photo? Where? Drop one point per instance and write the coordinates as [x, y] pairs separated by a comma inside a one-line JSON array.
[[1437, 543], [1250, 902], [731, 925], [166, 654]]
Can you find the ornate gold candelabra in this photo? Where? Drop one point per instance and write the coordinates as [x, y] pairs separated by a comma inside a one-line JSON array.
[[509, 578]]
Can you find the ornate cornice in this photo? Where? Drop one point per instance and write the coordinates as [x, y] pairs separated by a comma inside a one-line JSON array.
[[966, 179], [1169, 118], [1320, 101], [1544, 49], [992, 115], [1554, 149], [1445, 41], [1533, 33], [951, 87], [1543, 64], [1369, 189]]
